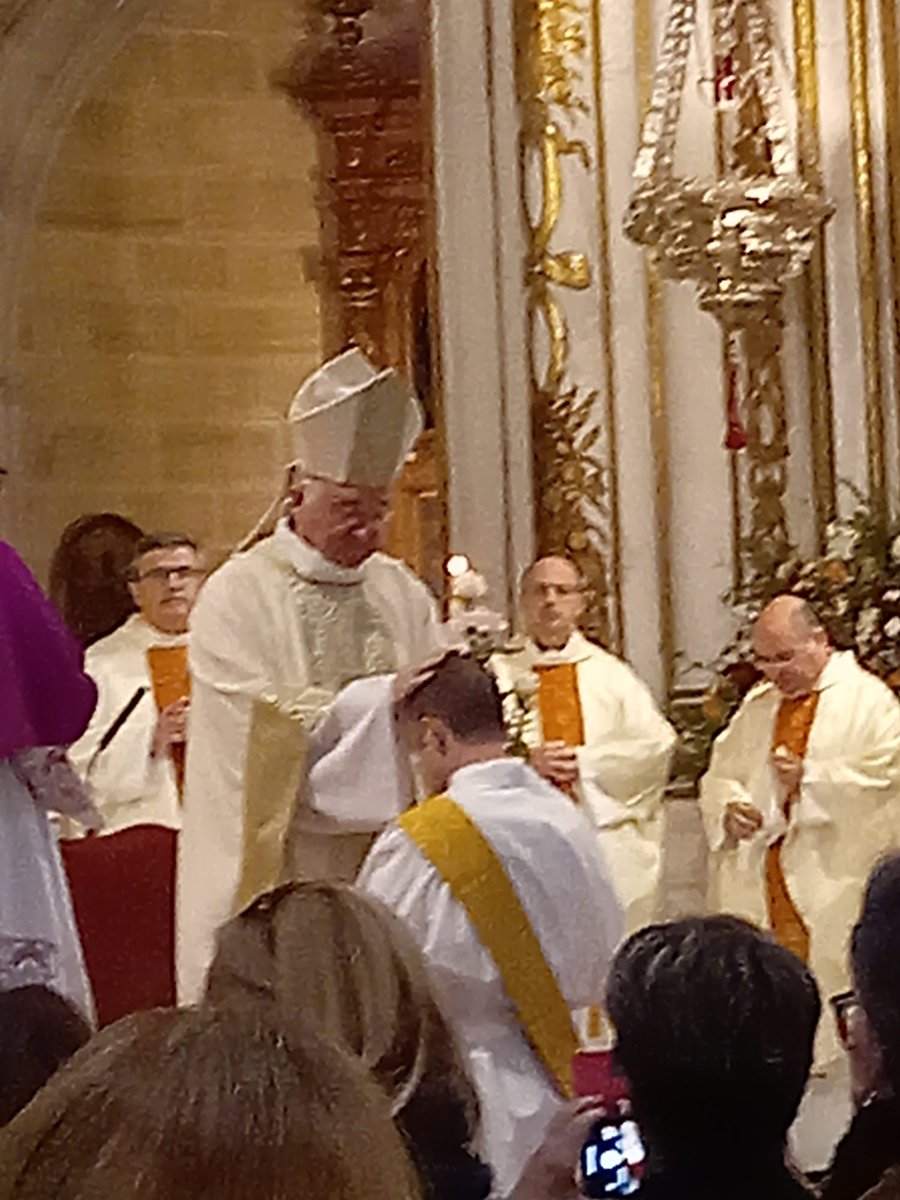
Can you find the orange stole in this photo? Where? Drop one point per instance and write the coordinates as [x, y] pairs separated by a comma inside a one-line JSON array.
[[171, 683], [560, 704], [793, 726]]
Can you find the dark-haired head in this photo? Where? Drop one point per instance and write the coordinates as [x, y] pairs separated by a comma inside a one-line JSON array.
[[715, 1025], [875, 961], [39, 1031], [165, 577], [88, 574], [461, 694], [454, 717], [166, 540]]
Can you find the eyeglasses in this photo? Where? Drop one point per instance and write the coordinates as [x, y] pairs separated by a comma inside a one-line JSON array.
[[164, 574], [558, 589], [842, 1005]]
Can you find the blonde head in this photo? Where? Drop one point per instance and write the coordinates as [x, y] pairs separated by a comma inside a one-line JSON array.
[[171, 1105], [325, 957]]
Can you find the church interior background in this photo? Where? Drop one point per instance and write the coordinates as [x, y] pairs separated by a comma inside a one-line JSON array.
[[201, 198]]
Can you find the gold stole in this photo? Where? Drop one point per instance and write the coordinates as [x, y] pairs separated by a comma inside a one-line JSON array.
[[277, 749], [466, 862], [793, 726], [171, 683], [560, 707]]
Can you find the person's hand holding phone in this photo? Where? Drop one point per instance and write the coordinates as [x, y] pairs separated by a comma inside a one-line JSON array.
[[552, 1172]]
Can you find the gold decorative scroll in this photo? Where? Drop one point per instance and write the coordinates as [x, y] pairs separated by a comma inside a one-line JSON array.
[[605, 291], [573, 482], [814, 282], [869, 297], [738, 237], [659, 426], [890, 58]]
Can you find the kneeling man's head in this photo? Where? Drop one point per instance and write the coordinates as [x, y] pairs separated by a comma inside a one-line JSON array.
[[452, 716], [715, 1025]]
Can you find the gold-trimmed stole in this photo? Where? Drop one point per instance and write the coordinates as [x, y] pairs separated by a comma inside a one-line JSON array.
[[793, 725], [467, 863], [171, 682], [560, 707]]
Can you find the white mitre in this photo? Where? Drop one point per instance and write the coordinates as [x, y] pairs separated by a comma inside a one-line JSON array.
[[352, 423]]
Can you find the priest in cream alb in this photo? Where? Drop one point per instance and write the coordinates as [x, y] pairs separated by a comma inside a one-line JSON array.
[[279, 631], [592, 727], [802, 795], [132, 753]]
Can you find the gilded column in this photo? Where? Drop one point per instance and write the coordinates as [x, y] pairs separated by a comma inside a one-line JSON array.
[[574, 479]]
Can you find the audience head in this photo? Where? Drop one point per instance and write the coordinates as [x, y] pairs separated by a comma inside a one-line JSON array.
[[715, 1025], [451, 714], [320, 956], [39, 1031], [89, 574], [552, 599], [343, 521], [790, 645], [174, 1105], [875, 962], [165, 577]]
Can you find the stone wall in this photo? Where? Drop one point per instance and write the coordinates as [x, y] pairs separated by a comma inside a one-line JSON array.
[[165, 317]]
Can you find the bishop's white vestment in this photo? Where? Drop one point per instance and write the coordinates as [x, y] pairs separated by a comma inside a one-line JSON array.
[[846, 814], [128, 786], [549, 852], [623, 764], [276, 634]]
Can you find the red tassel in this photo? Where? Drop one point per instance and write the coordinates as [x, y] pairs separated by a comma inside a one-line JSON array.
[[736, 435], [726, 79]]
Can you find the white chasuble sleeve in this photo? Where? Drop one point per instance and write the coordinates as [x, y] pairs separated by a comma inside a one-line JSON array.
[[357, 775], [231, 666], [123, 772], [627, 754], [739, 771]]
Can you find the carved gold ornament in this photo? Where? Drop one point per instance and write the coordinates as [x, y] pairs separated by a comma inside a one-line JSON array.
[[742, 236], [572, 475]]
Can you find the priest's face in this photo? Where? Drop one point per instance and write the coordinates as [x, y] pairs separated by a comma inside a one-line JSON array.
[[790, 654], [165, 586], [552, 602], [343, 521]]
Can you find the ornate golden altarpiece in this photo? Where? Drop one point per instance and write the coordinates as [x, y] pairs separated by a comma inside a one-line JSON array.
[[364, 97]]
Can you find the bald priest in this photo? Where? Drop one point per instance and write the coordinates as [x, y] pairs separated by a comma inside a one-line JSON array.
[[592, 729], [802, 794], [278, 632]]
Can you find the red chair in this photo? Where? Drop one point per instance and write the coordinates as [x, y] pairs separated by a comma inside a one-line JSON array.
[[123, 893]]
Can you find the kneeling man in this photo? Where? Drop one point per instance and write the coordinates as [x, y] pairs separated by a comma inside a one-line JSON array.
[[499, 878]]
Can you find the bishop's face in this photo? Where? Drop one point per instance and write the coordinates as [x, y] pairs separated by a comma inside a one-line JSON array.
[[343, 521]]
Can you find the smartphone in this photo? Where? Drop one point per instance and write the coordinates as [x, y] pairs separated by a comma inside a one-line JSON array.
[[612, 1158]]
